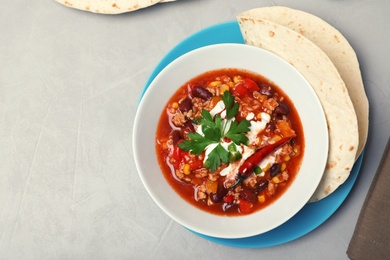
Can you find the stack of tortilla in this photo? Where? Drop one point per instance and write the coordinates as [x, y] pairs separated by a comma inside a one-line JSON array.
[[110, 6], [328, 62]]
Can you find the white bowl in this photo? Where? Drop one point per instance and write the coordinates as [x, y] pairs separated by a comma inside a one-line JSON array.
[[252, 59]]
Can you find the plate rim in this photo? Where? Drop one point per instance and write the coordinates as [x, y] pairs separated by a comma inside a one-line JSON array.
[[272, 237]]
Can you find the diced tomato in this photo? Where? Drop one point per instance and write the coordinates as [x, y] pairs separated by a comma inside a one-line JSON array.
[[197, 181], [176, 153], [228, 199], [245, 206], [251, 85], [240, 90], [196, 165], [184, 155], [177, 156]]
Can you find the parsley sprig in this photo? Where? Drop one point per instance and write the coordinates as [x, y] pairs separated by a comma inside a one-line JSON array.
[[215, 130]]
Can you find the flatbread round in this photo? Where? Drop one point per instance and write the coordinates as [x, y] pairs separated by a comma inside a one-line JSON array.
[[108, 6], [334, 44], [323, 76]]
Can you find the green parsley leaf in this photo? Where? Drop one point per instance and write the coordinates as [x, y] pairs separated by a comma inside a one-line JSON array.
[[196, 143], [237, 131], [213, 134], [231, 106], [215, 157], [207, 119], [218, 122]]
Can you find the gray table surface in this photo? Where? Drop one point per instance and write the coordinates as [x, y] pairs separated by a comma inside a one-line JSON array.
[[69, 85]]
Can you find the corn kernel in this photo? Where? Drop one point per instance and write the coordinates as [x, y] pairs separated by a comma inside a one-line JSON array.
[[186, 169], [237, 79], [214, 83], [223, 88], [261, 198], [287, 158], [276, 179], [231, 84], [175, 105], [297, 150], [283, 166], [266, 168]]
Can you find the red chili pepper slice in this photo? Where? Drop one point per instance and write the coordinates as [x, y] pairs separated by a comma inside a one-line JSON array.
[[250, 163], [259, 155]]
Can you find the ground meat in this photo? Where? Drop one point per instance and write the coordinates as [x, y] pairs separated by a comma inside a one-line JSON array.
[[285, 175], [213, 176], [225, 79], [179, 174], [197, 106], [200, 173], [248, 105], [229, 182], [236, 192], [200, 192], [179, 120], [270, 105], [286, 150], [257, 95], [251, 181], [271, 188]]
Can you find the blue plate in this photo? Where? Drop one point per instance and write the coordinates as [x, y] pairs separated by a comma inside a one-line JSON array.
[[313, 214]]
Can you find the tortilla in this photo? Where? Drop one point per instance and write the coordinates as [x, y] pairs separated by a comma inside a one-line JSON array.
[[108, 6], [334, 44], [326, 81]]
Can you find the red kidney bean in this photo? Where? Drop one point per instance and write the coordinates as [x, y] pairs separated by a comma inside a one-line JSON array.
[[277, 117], [248, 195], [176, 136], [218, 196], [267, 90], [262, 185], [188, 126], [271, 126], [282, 109], [274, 169], [201, 93], [185, 105], [229, 206]]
